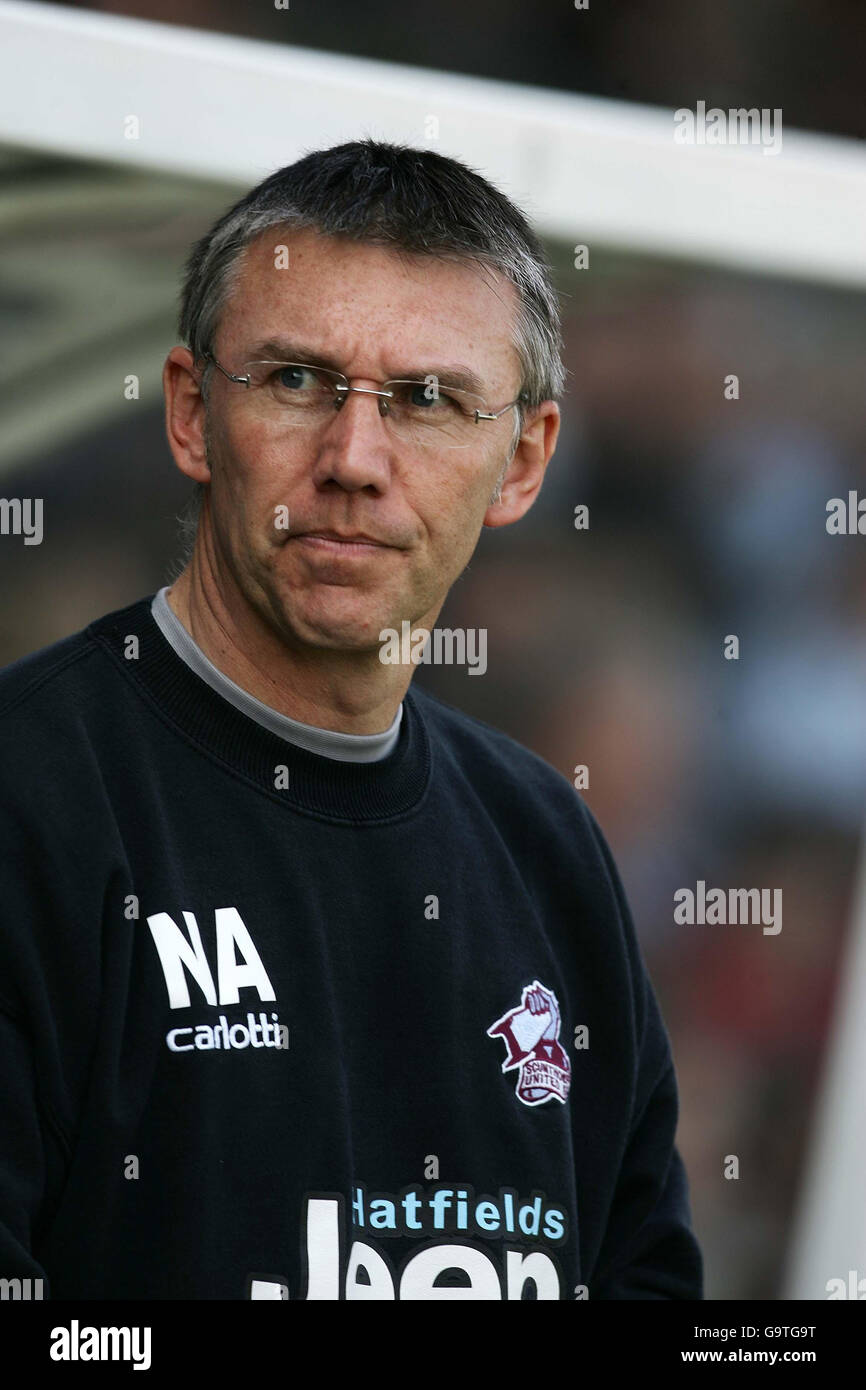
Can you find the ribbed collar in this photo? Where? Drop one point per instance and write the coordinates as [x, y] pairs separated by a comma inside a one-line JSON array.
[[338, 791], [328, 743]]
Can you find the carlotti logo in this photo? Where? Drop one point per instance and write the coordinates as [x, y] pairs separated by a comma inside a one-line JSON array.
[[531, 1035], [239, 966]]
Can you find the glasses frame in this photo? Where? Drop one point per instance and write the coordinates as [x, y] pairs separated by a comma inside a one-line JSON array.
[[343, 385]]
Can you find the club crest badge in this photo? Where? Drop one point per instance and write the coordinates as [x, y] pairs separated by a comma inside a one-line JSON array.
[[531, 1036]]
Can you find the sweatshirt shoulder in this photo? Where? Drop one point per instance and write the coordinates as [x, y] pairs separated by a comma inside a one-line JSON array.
[[22, 682], [59, 682], [485, 752], [533, 804]]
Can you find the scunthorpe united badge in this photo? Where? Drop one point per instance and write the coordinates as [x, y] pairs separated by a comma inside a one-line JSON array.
[[531, 1036]]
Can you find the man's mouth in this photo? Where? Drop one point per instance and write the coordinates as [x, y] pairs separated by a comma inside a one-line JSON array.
[[336, 543]]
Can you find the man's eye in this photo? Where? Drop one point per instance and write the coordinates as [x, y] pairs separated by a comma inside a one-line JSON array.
[[428, 398], [294, 378], [422, 395]]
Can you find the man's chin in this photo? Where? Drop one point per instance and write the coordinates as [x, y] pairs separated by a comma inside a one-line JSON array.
[[333, 631]]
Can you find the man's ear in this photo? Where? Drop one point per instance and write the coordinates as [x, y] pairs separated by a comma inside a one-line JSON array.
[[185, 415], [525, 473]]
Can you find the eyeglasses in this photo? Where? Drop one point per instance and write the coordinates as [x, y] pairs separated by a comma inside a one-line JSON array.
[[423, 412]]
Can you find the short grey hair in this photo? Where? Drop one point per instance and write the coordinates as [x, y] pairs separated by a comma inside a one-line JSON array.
[[412, 200]]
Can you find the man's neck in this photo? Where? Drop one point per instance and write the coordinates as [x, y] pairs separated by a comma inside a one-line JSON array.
[[339, 691]]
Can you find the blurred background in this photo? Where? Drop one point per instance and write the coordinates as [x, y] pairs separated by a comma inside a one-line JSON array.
[[605, 645]]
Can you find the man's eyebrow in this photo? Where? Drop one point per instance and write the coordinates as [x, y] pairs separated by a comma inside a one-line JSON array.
[[283, 350], [456, 375]]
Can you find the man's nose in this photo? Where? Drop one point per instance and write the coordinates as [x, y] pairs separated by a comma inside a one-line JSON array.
[[356, 447]]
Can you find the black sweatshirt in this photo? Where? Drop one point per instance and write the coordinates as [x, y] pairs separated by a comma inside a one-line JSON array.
[[277, 1026]]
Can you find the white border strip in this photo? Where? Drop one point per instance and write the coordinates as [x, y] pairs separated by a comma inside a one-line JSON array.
[[586, 170], [830, 1229]]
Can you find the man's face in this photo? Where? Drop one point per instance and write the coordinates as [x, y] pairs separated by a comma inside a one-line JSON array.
[[372, 314]]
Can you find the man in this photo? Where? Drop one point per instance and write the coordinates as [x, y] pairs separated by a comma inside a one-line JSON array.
[[312, 986]]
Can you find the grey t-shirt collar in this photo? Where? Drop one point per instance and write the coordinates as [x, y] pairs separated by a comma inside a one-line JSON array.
[[329, 743]]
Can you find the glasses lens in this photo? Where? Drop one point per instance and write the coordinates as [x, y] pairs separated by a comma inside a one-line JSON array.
[[434, 415], [299, 393], [422, 412]]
